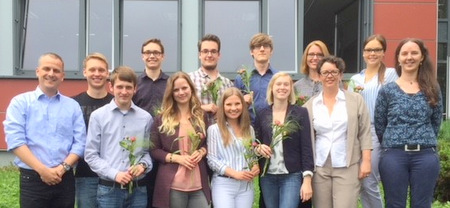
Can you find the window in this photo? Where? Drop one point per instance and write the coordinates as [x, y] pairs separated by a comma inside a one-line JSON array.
[[74, 28], [52, 26], [282, 18], [235, 22], [151, 19], [101, 29]]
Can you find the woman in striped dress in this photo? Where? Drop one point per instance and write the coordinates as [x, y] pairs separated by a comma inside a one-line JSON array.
[[368, 82]]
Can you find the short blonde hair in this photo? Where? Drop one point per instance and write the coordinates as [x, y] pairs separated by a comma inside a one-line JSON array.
[[269, 95], [97, 56]]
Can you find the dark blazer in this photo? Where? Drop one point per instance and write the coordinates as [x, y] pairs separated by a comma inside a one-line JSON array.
[[162, 145], [297, 150]]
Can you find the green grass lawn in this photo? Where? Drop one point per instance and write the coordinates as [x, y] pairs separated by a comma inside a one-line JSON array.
[[9, 190], [9, 187]]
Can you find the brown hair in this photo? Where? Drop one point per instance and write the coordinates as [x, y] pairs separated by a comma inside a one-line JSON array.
[[209, 37], [153, 40], [123, 73], [170, 110], [260, 39], [244, 118], [426, 75], [382, 41]]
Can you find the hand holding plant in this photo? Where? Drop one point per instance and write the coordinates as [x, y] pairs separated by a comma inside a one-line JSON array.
[[131, 144], [280, 133]]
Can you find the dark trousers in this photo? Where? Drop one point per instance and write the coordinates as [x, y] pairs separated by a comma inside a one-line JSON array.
[[34, 193]]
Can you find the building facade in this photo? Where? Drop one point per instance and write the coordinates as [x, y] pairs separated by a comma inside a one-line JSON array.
[[75, 28]]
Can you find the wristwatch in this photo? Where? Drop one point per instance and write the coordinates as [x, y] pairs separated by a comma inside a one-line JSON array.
[[66, 166], [144, 165]]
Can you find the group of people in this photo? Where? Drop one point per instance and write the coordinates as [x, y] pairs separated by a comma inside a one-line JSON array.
[[192, 140]]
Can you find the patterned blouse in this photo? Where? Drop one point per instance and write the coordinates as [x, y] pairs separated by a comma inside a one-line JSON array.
[[402, 118]]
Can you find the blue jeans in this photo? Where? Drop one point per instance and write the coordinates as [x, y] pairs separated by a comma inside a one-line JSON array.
[[86, 192], [231, 193], [112, 197], [418, 170], [281, 190]]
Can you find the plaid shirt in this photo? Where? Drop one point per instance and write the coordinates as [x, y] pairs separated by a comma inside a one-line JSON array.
[[200, 79]]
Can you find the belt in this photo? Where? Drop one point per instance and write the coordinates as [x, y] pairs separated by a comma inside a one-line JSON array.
[[118, 185], [224, 176], [414, 147]]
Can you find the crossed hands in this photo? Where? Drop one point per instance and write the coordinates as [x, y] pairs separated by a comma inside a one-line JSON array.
[[52, 176], [189, 161]]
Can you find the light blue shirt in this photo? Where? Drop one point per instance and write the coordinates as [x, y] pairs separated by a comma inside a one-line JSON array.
[[51, 127], [372, 87], [108, 125], [221, 157]]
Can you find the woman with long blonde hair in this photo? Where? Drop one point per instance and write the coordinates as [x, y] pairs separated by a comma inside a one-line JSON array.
[[180, 148], [228, 142]]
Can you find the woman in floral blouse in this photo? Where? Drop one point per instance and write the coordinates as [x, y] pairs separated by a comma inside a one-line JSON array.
[[408, 114]]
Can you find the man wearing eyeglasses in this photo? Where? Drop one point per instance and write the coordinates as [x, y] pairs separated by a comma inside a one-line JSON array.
[[209, 55], [149, 94], [261, 50], [151, 83]]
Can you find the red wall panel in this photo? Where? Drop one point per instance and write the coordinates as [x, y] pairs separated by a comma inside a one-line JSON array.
[[13, 87], [401, 19]]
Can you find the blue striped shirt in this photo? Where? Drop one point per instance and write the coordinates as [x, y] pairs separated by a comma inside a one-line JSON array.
[[372, 87], [221, 157]]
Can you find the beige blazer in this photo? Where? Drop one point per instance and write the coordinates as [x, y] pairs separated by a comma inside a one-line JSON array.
[[358, 133]]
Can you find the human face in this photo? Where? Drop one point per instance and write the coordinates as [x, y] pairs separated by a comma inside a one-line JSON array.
[[281, 88], [209, 55], [373, 53], [261, 53], [181, 91], [314, 55], [152, 56], [410, 57], [232, 107], [96, 73], [50, 73], [330, 75], [123, 91]]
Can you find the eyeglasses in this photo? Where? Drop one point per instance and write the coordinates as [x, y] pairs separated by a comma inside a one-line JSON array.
[[206, 52], [318, 55], [333, 73], [154, 53], [373, 50], [258, 46]]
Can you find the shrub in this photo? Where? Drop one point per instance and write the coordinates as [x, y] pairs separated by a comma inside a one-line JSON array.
[[442, 192]]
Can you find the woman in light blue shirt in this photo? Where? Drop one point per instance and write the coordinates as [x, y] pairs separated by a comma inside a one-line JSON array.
[[368, 82], [232, 185]]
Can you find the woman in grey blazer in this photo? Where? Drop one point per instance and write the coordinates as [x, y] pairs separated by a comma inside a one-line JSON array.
[[342, 140]]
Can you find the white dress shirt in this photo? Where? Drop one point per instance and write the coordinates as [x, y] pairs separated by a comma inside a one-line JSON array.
[[331, 131]]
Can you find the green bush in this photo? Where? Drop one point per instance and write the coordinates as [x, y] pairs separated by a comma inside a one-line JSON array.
[[9, 187], [442, 192]]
